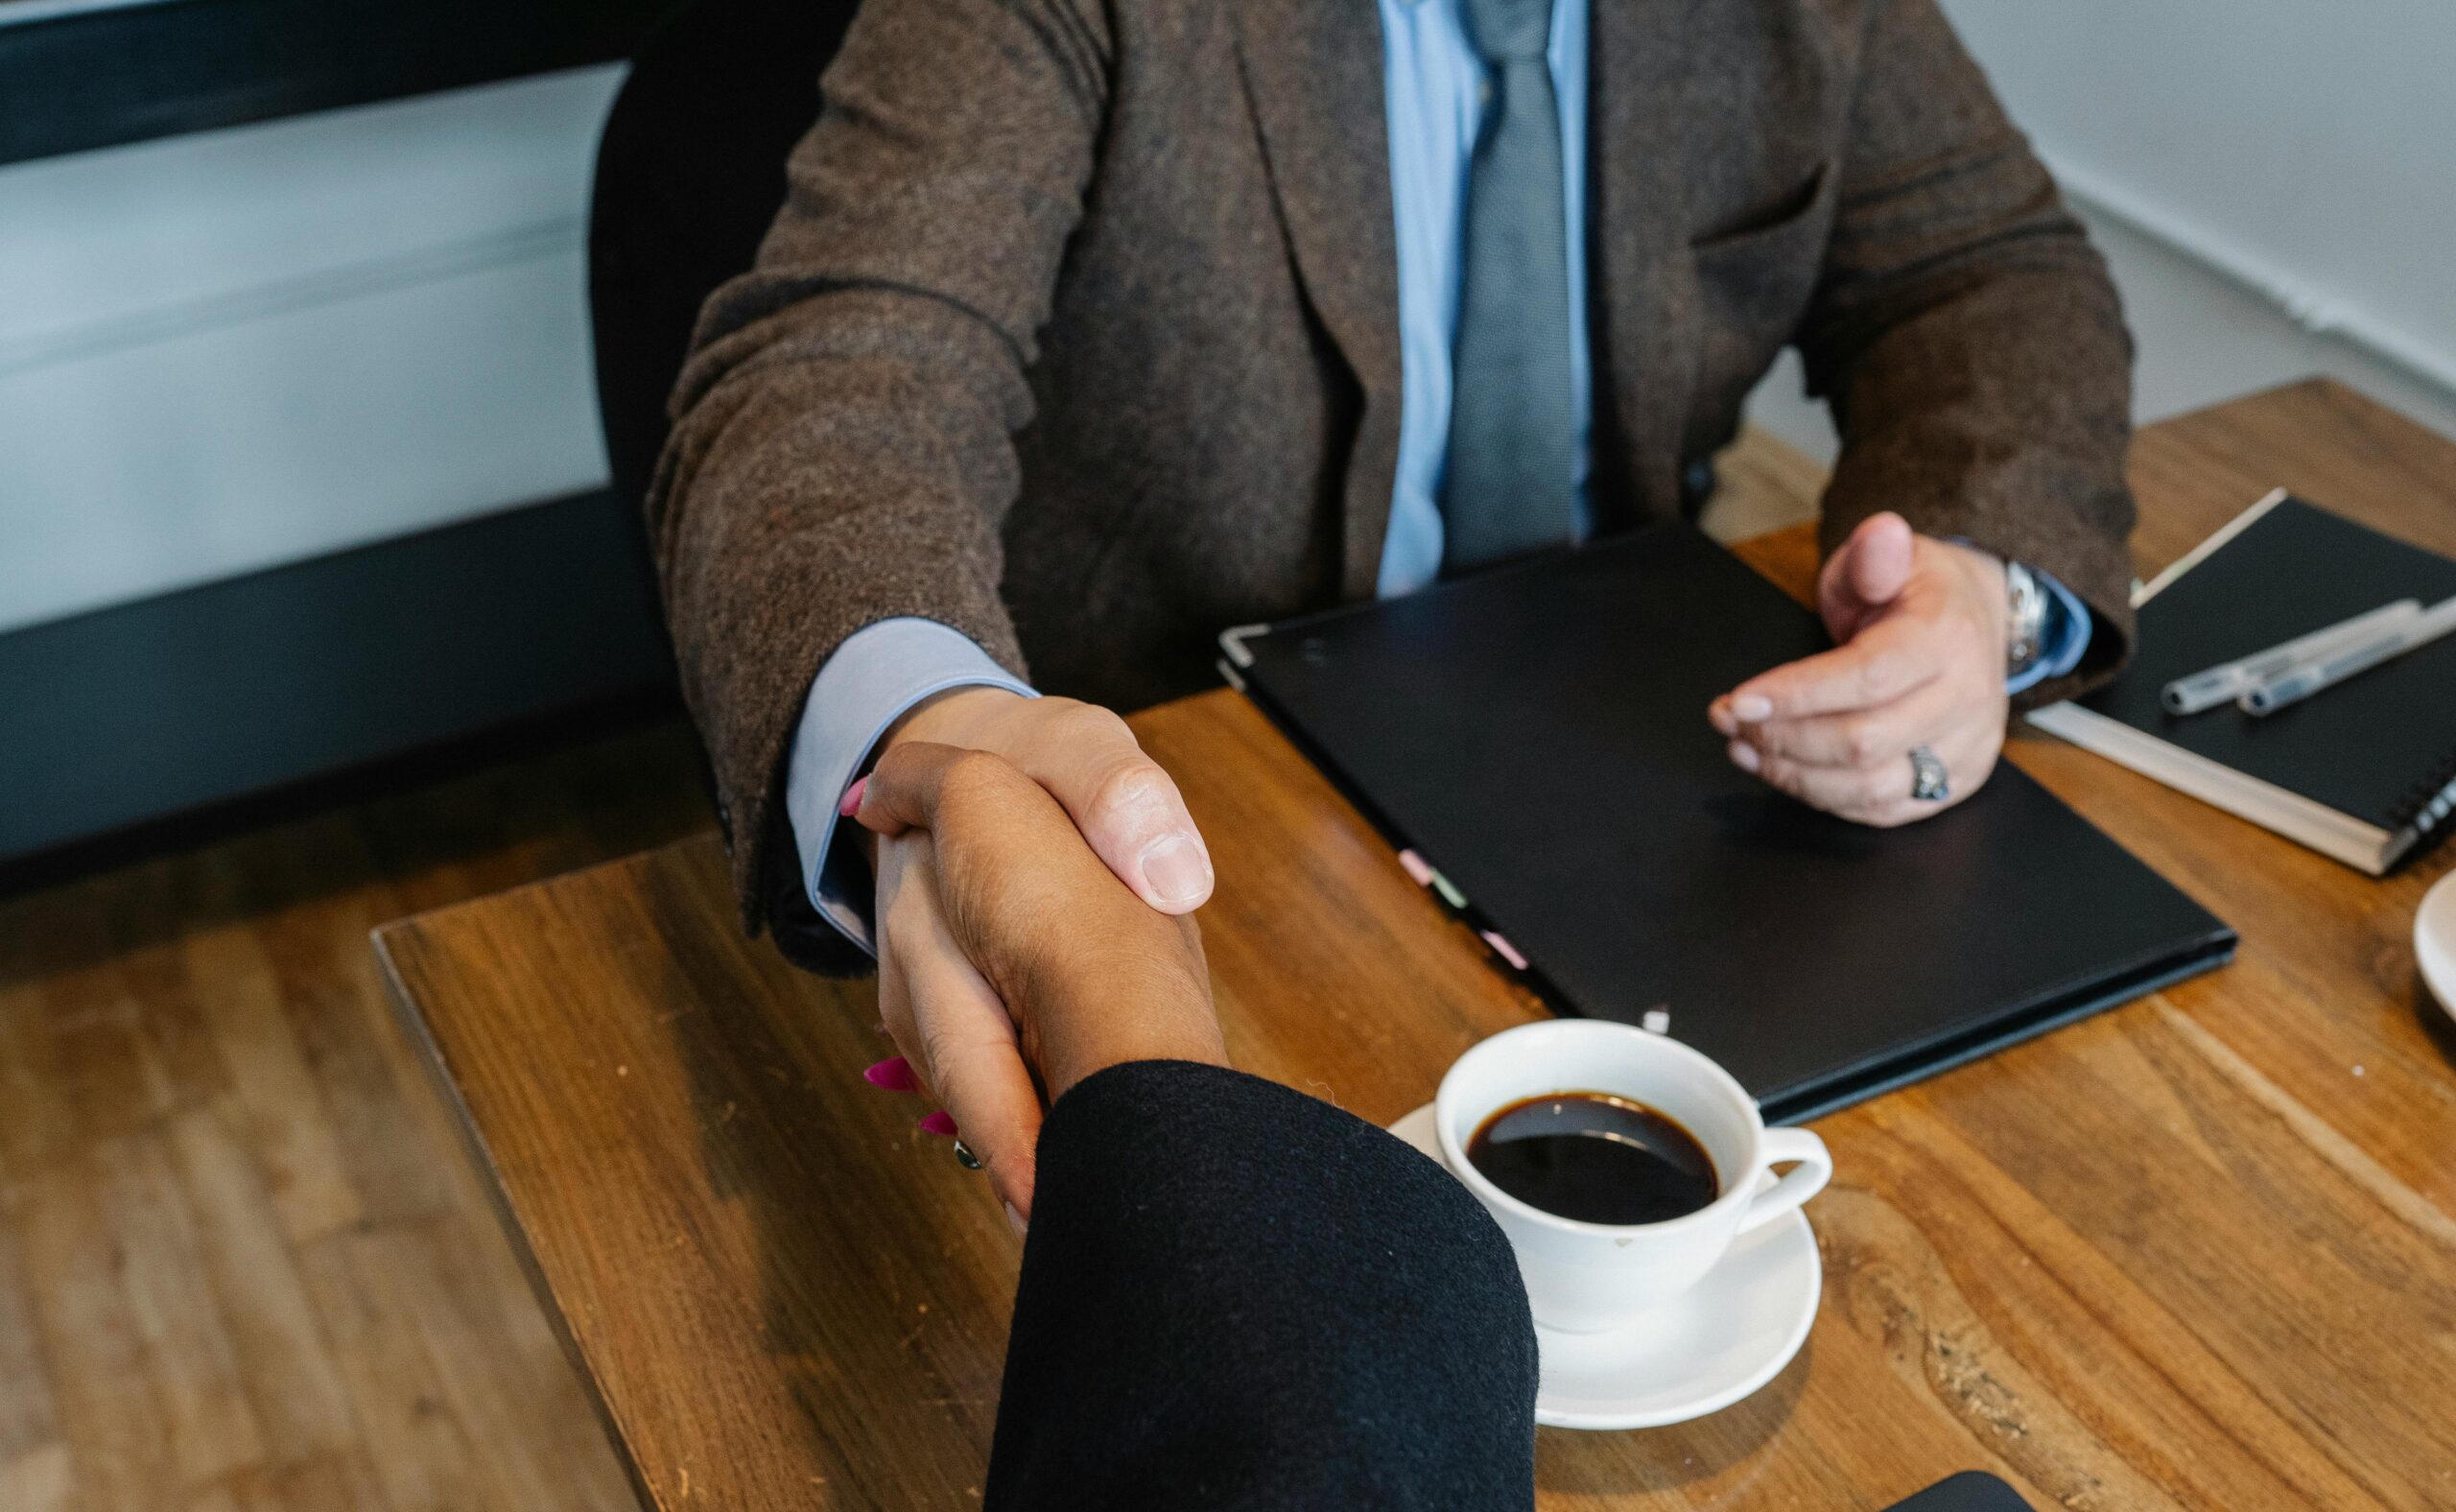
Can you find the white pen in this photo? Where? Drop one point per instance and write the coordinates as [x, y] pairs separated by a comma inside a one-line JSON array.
[[2299, 683], [2228, 680]]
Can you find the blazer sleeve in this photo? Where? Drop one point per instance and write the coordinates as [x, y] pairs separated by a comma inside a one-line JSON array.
[[1967, 336], [842, 449], [1236, 1297]]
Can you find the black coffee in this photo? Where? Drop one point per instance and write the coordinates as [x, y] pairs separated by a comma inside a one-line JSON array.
[[1594, 1157]]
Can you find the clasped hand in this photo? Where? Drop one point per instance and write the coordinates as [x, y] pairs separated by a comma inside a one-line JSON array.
[[1012, 963]]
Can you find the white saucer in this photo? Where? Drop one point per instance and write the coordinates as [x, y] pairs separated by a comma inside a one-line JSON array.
[[1731, 1335], [2435, 942]]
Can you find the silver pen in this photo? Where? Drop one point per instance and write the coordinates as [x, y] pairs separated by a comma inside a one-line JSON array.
[[2226, 681], [2299, 683]]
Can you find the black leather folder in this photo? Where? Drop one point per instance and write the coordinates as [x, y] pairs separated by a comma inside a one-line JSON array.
[[1537, 735]]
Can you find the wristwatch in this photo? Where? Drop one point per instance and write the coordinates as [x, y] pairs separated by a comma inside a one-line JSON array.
[[2025, 627]]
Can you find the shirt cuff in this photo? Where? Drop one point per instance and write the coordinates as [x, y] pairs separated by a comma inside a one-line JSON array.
[[2061, 642], [874, 677]]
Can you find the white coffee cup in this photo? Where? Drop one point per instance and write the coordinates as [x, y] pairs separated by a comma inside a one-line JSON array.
[[1584, 1277]]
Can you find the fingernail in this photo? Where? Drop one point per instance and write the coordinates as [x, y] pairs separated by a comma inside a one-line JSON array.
[[1744, 756], [1014, 1220], [1174, 870], [894, 1074], [851, 803], [1750, 706], [938, 1122]]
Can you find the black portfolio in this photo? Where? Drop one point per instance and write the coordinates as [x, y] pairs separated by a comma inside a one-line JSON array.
[[1538, 736]]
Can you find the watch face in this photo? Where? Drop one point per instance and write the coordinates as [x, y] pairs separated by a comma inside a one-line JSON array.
[[2027, 603]]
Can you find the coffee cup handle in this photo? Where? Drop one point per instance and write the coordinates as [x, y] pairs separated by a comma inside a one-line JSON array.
[[1811, 1167]]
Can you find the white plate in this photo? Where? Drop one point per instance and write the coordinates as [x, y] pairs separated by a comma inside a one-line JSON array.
[[2435, 942], [1731, 1334]]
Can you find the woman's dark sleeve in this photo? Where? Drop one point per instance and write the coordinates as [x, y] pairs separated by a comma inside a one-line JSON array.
[[1238, 1296]]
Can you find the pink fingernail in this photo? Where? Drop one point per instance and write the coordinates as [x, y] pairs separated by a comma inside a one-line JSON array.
[[1750, 707], [1015, 1221], [1744, 756], [894, 1074], [851, 804], [938, 1122]]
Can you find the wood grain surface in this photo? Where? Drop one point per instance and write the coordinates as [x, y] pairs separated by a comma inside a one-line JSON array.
[[2196, 1252], [242, 1266]]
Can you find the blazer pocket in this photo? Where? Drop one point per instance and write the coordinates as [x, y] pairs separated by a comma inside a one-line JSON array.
[[1759, 273]]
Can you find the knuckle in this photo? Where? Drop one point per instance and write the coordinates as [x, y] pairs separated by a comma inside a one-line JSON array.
[[938, 1057], [1078, 721], [1879, 675], [1130, 785], [1873, 792], [898, 759], [1782, 775], [950, 1041], [975, 774]]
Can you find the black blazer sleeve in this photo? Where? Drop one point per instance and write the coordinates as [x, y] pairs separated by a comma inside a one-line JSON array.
[[1237, 1296]]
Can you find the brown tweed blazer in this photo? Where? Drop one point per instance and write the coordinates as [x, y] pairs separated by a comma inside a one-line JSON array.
[[1077, 332]]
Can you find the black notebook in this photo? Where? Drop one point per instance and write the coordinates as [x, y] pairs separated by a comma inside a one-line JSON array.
[[1970, 1491], [2365, 772], [1538, 736]]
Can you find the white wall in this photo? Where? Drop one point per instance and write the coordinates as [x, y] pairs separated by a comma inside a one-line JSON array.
[[2273, 181], [228, 350], [2306, 146]]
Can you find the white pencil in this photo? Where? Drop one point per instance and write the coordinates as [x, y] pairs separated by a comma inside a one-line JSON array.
[[2299, 683], [2227, 680]]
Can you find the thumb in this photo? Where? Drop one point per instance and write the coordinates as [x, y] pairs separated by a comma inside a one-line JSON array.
[[1128, 810], [1867, 573]]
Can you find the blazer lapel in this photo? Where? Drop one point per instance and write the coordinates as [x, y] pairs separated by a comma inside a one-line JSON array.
[[1312, 70], [1644, 314]]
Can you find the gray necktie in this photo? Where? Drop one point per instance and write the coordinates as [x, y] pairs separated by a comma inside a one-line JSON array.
[[1511, 466]]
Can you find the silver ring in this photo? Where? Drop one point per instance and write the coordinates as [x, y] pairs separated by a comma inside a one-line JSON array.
[[1928, 781], [965, 1158]]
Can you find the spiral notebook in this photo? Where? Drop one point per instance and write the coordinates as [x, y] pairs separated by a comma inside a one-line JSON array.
[[2364, 772], [1534, 740]]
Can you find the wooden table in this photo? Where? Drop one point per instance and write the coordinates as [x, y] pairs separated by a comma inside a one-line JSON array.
[[2200, 1251]]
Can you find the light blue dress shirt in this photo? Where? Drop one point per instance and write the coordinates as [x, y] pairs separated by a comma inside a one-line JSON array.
[[1433, 85]]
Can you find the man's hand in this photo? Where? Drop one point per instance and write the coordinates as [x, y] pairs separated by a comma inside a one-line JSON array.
[[1012, 963], [1124, 805], [1921, 626]]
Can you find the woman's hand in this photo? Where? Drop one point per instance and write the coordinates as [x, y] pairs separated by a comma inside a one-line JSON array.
[[1922, 624], [1012, 963]]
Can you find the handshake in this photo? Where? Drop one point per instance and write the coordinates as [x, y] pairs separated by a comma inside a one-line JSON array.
[[1012, 961]]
